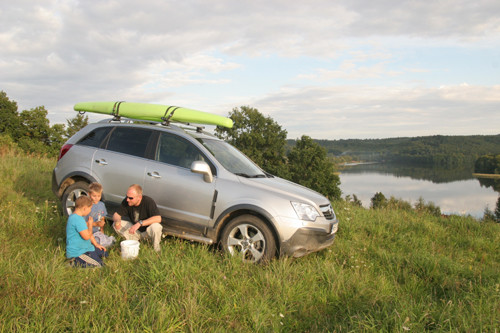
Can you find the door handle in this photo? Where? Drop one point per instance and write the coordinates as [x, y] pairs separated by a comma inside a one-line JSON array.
[[101, 162], [154, 174]]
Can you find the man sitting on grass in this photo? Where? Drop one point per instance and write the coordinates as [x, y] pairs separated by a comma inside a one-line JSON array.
[[144, 217], [81, 246]]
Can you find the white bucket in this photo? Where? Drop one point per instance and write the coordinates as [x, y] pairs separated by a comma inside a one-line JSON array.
[[130, 249]]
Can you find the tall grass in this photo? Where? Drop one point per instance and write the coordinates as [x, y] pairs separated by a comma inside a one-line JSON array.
[[388, 271]]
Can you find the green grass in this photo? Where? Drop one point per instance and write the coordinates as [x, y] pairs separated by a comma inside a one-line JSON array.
[[388, 271]]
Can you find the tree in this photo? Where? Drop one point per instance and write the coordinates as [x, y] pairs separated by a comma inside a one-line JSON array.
[[9, 116], [36, 135], [378, 201], [258, 137], [354, 200], [75, 124], [57, 138], [35, 125], [30, 129], [310, 167], [488, 215]]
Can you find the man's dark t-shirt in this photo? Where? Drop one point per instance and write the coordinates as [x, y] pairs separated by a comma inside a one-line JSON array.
[[145, 210]]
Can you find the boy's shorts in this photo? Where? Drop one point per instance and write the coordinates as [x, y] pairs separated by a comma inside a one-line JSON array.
[[90, 259]]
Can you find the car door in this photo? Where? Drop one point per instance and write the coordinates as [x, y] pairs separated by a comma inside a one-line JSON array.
[[122, 162], [183, 197]]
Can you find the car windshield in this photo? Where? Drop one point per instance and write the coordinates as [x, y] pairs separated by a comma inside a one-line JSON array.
[[232, 159]]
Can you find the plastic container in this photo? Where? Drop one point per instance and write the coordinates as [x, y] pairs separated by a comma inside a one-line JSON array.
[[130, 249]]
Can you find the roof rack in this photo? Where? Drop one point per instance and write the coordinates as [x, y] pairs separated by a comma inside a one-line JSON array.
[[180, 125]]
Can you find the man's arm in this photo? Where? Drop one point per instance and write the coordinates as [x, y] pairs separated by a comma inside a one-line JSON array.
[[117, 219], [151, 220], [152, 212], [145, 223]]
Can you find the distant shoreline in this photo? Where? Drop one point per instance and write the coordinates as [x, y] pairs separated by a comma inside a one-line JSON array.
[[357, 163], [486, 175]]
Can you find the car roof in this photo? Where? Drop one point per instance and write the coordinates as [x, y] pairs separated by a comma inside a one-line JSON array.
[[196, 131]]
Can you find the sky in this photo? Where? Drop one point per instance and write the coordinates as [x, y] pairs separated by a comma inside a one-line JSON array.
[[329, 69]]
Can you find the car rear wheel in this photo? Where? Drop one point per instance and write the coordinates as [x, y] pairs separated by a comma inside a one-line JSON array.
[[249, 237], [71, 194]]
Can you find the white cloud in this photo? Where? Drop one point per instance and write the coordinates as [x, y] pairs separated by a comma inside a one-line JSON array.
[[321, 68], [381, 112]]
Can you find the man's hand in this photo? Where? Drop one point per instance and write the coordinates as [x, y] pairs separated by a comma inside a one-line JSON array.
[[118, 221], [134, 228]]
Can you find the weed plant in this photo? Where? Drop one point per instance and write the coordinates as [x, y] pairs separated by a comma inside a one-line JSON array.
[[389, 270]]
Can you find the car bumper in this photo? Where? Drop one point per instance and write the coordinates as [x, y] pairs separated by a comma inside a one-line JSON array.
[[306, 240]]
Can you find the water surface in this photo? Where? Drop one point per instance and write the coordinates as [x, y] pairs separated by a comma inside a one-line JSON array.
[[460, 194]]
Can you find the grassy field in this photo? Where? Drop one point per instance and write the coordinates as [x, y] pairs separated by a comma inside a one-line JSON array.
[[388, 271]]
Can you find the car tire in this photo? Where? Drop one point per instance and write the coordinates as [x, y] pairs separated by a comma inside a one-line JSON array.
[[249, 237], [71, 194]]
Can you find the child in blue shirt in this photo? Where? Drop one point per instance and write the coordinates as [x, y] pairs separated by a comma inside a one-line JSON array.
[[81, 245], [98, 214]]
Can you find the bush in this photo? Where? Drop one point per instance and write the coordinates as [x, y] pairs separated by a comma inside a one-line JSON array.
[[379, 201], [399, 204], [430, 207], [7, 144]]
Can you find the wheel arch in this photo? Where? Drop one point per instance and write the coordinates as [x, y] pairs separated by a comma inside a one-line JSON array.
[[231, 213], [73, 178]]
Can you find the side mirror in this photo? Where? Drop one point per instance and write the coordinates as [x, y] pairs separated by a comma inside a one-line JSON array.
[[202, 168]]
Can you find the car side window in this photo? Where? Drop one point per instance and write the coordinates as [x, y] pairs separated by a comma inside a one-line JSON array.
[[132, 141], [177, 151], [95, 138]]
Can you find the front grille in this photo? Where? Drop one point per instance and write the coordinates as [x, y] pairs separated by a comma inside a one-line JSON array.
[[328, 212]]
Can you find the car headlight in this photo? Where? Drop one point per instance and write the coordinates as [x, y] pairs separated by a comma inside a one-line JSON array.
[[304, 211]]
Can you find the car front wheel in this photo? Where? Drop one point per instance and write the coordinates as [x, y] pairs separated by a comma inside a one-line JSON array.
[[249, 237], [71, 194]]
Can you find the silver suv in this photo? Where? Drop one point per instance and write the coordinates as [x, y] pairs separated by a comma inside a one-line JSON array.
[[206, 190]]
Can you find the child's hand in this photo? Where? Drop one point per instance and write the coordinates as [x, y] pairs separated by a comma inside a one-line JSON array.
[[100, 247], [90, 222]]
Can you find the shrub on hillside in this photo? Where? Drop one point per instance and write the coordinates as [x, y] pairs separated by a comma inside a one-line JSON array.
[[7, 144], [378, 201], [429, 208]]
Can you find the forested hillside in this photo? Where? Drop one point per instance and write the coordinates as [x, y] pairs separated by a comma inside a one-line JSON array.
[[488, 164], [438, 150]]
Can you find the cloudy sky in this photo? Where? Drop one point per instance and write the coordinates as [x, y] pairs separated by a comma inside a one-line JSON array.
[[328, 69]]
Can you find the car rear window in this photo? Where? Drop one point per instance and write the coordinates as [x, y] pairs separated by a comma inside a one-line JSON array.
[[132, 141], [95, 138]]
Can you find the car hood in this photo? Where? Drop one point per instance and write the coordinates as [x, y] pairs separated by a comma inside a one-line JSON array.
[[287, 188]]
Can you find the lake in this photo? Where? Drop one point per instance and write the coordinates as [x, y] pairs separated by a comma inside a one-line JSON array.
[[454, 191]]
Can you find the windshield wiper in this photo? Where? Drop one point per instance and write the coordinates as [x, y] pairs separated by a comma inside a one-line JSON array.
[[242, 174], [260, 175]]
